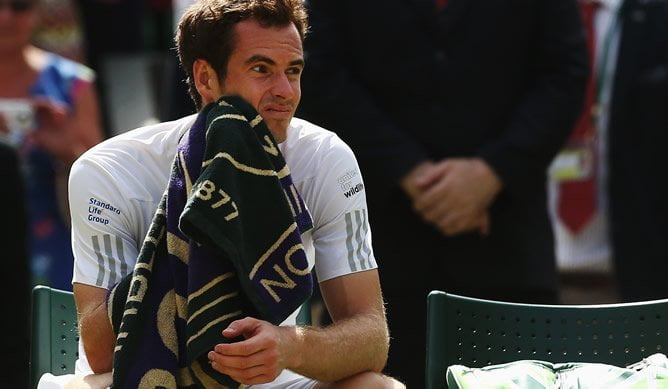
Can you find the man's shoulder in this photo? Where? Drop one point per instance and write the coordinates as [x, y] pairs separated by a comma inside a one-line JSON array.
[[304, 128], [135, 164], [307, 136], [312, 151], [148, 144]]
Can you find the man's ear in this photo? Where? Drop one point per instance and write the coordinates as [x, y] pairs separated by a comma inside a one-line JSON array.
[[206, 81]]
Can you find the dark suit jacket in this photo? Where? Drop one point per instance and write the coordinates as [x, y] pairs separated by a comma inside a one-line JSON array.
[[638, 160], [499, 79]]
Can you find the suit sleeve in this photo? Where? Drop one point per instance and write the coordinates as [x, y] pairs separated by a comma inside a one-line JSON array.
[[543, 120], [381, 146]]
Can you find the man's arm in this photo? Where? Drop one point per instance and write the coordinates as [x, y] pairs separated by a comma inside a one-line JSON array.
[[101, 241], [94, 327], [358, 341]]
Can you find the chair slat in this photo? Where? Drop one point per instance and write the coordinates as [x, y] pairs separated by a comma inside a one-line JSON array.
[[476, 332]]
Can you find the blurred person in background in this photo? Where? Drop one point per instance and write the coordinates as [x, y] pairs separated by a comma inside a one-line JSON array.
[[127, 43], [14, 278], [177, 103], [455, 110], [609, 204], [111, 26], [65, 112], [60, 29]]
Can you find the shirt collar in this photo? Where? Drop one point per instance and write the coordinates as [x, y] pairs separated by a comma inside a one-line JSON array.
[[611, 5]]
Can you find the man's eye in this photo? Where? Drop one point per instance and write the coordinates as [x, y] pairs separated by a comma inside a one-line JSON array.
[[294, 71], [259, 68]]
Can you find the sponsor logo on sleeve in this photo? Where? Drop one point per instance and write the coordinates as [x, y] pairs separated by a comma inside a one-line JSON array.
[[99, 211], [351, 183]]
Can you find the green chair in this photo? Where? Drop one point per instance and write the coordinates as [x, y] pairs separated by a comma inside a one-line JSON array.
[[475, 333], [55, 334], [304, 315]]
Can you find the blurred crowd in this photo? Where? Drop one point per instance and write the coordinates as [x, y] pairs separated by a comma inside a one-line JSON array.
[[511, 150]]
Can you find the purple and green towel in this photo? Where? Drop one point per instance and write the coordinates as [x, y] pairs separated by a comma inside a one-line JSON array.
[[224, 244]]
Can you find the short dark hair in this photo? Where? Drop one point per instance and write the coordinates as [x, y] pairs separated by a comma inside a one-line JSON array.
[[206, 30]]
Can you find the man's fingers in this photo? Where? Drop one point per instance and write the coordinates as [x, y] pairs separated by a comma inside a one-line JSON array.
[[261, 358], [231, 332], [451, 224], [246, 326], [431, 197], [437, 213], [253, 375], [409, 182], [457, 223], [256, 339], [428, 176], [244, 348], [255, 369], [254, 360]]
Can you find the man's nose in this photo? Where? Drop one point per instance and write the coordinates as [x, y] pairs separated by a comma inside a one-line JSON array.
[[283, 87]]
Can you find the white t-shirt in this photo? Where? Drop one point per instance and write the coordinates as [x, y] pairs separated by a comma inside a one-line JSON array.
[[116, 186]]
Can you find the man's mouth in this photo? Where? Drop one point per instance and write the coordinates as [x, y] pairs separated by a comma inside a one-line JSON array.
[[278, 108]]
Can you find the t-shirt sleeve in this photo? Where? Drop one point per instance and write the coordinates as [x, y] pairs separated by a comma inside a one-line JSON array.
[[104, 245], [341, 236]]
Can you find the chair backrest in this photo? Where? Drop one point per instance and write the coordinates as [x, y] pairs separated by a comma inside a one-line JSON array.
[[304, 315], [475, 333], [55, 335]]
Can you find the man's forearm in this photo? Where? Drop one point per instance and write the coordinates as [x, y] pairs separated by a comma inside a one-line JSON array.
[[347, 347], [95, 329], [98, 338], [357, 342]]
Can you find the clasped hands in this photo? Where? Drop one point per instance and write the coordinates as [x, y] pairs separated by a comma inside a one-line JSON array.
[[453, 194]]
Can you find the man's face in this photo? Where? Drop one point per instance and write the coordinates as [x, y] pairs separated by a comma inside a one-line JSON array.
[[265, 69]]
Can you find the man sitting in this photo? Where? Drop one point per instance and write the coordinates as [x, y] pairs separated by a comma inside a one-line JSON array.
[[252, 49]]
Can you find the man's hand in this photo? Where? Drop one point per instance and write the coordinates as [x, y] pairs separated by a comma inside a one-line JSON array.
[[355, 344], [456, 193], [258, 359], [409, 181]]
